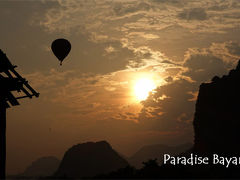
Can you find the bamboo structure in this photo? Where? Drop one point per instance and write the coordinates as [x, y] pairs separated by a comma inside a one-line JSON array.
[[10, 81]]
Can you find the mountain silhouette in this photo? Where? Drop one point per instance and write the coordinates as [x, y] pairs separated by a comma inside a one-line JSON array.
[[45, 166], [90, 159], [156, 152], [217, 116]]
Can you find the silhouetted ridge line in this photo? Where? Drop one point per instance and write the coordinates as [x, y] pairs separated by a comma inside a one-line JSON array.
[[217, 119], [90, 159]]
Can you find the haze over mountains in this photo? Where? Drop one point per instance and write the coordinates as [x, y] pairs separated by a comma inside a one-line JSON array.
[[156, 152], [41, 167], [90, 159]]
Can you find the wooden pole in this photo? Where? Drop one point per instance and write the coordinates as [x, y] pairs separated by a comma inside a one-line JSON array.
[[2, 140]]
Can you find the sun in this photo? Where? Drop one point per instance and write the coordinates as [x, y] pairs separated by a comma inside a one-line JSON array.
[[142, 88]]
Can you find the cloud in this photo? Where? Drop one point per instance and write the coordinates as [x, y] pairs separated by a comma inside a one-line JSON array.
[[233, 48], [204, 63], [47, 81], [162, 110], [123, 9], [118, 18], [228, 51], [109, 49], [193, 14], [202, 67], [127, 37], [86, 95], [168, 1], [159, 25], [171, 106]]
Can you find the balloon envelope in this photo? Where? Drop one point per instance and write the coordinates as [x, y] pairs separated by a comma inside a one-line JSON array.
[[61, 48]]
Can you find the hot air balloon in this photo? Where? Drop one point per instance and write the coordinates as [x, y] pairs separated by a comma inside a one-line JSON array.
[[61, 48]]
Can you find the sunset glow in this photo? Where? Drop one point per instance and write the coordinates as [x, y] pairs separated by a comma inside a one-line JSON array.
[[130, 76], [143, 87]]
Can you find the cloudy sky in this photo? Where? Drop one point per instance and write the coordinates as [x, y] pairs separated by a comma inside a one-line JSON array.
[[175, 44]]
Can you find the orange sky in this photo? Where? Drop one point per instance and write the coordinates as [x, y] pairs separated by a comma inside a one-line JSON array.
[[114, 45]]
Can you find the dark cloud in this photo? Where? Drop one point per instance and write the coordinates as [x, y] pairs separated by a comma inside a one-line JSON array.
[[166, 106], [176, 2], [233, 48], [224, 5], [203, 67], [193, 14], [121, 9], [219, 7], [168, 62], [168, 79]]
